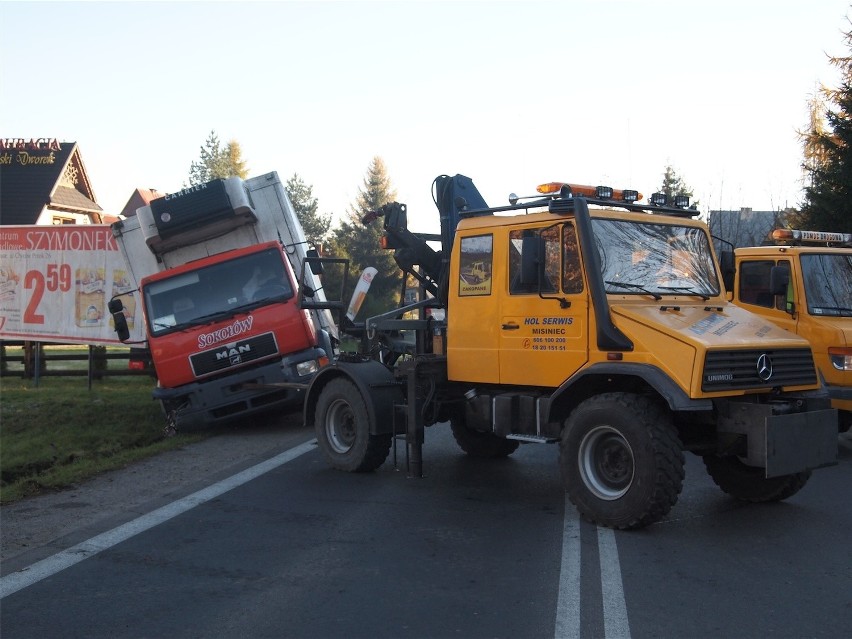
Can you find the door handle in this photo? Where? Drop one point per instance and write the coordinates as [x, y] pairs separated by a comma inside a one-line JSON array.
[[510, 327]]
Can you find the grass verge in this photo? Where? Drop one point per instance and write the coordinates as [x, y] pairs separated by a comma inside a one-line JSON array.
[[61, 433]]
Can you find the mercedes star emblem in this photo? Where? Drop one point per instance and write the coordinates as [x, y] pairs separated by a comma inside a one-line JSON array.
[[764, 367]]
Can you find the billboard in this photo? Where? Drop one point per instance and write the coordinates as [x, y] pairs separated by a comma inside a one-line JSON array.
[[56, 282]]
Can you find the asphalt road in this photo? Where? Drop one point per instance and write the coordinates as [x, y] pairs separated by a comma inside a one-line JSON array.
[[269, 542]]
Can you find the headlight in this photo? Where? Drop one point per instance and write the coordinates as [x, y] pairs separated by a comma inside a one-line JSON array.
[[307, 368], [841, 358]]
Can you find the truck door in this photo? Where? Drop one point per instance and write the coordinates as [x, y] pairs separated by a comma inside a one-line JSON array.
[[544, 327], [473, 313], [753, 289]]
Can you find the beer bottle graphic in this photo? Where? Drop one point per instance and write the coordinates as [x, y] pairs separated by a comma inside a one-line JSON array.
[[89, 300]]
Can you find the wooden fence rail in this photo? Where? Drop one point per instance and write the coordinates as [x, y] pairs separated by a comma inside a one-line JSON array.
[[34, 361]]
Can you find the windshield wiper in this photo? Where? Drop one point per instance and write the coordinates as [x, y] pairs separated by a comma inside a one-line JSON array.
[[212, 317], [688, 289], [638, 287]]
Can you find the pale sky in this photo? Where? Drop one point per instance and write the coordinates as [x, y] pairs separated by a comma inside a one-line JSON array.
[[511, 93]]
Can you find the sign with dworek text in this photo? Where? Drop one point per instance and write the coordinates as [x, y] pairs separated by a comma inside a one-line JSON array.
[[28, 151], [56, 283]]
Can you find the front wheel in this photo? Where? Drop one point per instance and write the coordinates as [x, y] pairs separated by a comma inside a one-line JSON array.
[[748, 483], [621, 460], [343, 429]]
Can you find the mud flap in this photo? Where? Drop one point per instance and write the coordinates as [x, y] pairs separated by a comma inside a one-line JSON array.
[[801, 441]]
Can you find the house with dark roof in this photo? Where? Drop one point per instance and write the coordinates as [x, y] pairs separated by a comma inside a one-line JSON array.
[[43, 181], [745, 227], [140, 198]]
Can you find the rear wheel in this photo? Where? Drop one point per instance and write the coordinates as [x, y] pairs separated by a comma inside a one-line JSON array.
[[343, 429], [478, 444], [621, 460], [748, 483]]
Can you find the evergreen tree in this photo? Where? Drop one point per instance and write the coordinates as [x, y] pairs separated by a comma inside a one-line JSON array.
[[305, 205], [360, 243], [827, 146], [235, 162], [673, 185], [218, 162]]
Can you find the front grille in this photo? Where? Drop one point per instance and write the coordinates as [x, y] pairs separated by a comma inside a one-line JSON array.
[[233, 354], [738, 370]]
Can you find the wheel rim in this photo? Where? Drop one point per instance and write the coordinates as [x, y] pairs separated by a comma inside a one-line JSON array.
[[606, 463], [340, 427]]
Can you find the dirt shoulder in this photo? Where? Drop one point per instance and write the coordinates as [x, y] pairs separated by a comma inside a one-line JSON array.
[[40, 526]]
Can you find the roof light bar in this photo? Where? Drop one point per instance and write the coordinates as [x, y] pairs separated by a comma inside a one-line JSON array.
[[658, 199], [550, 188], [596, 192], [681, 201], [796, 236]]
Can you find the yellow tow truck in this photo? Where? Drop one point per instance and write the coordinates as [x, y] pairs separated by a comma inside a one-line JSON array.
[[803, 283], [602, 328]]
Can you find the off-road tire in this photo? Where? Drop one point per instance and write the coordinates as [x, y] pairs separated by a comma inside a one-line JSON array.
[[748, 483], [478, 444], [621, 460], [343, 429]]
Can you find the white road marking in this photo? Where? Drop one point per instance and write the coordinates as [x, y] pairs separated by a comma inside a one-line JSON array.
[[48, 567], [568, 607], [616, 624], [568, 603]]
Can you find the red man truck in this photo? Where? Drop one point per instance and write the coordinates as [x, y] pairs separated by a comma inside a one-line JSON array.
[[224, 297]]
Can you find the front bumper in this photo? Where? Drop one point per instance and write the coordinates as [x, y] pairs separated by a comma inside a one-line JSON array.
[[782, 444]]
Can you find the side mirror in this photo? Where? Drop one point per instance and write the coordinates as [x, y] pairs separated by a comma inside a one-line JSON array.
[[530, 259], [312, 259], [119, 320], [729, 269], [779, 279]]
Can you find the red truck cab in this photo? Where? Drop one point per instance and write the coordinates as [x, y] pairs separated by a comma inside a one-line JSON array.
[[223, 327]]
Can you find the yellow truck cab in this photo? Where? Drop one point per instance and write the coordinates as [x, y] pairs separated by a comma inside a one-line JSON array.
[[803, 283], [602, 327]]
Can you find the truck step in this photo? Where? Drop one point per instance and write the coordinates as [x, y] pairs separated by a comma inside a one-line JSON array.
[[534, 439]]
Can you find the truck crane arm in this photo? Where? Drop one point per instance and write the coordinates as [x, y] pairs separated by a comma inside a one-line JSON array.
[[454, 196], [411, 250]]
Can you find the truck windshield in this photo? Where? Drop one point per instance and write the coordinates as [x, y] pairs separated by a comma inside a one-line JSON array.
[[216, 291], [828, 283], [655, 259]]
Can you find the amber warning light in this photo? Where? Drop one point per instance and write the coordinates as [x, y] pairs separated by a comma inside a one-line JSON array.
[[597, 192], [795, 236]]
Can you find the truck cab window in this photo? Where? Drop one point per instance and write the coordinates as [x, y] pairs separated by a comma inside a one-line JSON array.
[[254, 279], [828, 283], [475, 262], [572, 274], [653, 258], [551, 257], [754, 283]]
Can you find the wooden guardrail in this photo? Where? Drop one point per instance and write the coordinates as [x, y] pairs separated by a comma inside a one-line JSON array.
[[33, 360]]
